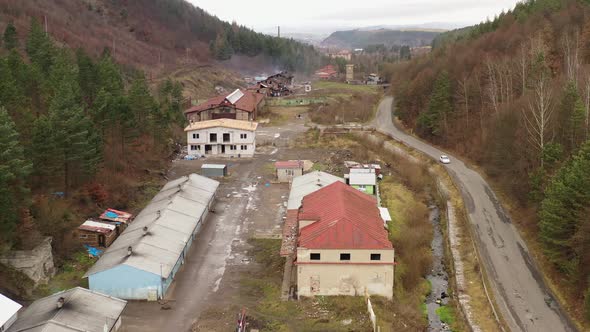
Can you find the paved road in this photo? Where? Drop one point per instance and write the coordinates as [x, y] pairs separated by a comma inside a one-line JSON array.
[[520, 292]]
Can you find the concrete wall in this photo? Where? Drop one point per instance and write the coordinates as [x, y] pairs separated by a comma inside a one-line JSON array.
[[235, 140], [125, 282], [329, 276], [37, 264], [287, 175]]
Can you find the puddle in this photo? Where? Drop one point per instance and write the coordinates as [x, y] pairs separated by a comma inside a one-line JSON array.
[[438, 277]]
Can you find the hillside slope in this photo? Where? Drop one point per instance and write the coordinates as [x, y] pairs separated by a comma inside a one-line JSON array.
[[363, 38], [150, 34], [513, 96]]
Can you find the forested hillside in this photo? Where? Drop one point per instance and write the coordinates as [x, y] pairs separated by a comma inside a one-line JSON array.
[[513, 96], [74, 134], [155, 33], [389, 38]]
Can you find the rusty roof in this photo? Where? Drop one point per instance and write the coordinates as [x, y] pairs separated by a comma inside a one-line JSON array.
[[247, 102]]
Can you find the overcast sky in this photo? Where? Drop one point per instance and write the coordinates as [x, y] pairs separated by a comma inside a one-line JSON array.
[[306, 15]]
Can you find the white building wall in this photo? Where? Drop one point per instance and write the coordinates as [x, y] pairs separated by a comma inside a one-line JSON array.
[[197, 140], [331, 277], [9, 323]]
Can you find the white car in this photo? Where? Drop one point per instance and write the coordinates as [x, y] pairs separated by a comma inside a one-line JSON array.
[[445, 159]]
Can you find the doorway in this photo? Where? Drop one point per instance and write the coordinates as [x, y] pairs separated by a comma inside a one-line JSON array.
[[223, 149], [102, 241]]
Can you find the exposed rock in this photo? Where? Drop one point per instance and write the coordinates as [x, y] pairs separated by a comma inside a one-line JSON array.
[[37, 264]]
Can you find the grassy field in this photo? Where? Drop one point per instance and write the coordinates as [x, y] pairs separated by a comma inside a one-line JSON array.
[[261, 290], [329, 85]]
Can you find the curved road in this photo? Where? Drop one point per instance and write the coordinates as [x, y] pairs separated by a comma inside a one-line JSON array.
[[524, 300]]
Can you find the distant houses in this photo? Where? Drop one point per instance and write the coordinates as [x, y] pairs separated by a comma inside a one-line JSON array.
[[222, 137], [326, 73], [76, 309], [241, 104], [142, 263]]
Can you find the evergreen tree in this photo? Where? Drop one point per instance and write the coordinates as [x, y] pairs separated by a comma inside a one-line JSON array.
[[563, 211], [14, 170], [10, 37], [39, 47], [435, 119], [88, 76], [43, 153]]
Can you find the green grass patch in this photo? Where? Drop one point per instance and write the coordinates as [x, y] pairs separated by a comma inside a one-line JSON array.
[[446, 314], [345, 87], [68, 276]]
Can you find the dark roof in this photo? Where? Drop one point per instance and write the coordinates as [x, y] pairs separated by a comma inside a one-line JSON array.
[[82, 310], [247, 102], [345, 218]]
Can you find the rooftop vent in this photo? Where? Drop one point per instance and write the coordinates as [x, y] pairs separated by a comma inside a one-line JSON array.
[[60, 302], [145, 230], [129, 250]]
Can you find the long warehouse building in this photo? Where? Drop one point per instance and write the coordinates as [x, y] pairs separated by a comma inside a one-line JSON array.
[[142, 262]]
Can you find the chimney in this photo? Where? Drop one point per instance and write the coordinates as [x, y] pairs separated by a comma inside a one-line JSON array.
[[60, 302], [145, 230], [158, 214], [129, 251]]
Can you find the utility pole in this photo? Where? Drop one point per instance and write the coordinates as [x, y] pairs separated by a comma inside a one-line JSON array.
[[279, 31], [45, 19]]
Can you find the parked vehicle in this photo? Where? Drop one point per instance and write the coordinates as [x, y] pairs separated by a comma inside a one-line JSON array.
[[445, 159]]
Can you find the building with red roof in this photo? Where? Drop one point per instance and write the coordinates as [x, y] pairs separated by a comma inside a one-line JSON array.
[[239, 105], [288, 170], [327, 72], [343, 247]]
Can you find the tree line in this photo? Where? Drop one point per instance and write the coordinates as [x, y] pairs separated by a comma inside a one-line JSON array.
[[513, 95], [65, 118]]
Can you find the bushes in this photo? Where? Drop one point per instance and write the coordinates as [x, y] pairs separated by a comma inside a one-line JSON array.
[[359, 107]]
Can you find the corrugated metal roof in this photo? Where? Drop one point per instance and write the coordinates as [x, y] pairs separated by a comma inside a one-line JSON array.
[[170, 218], [7, 309], [367, 179], [95, 226], [307, 184], [234, 96], [216, 166], [344, 218], [289, 164], [83, 310]]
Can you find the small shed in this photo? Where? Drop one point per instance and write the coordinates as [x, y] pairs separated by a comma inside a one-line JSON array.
[[8, 312], [97, 234], [214, 170], [120, 219], [287, 170], [365, 182], [384, 212]]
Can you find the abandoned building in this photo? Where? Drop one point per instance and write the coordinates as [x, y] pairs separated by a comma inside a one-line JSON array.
[[76, 309], [288, 170], [222, 137], [238, 105], [142, 263], [96, 234], [278, 85], [363, 179], [342, 247], [326, 73]]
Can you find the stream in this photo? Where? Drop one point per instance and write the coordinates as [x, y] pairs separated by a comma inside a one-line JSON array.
[[438, 277]]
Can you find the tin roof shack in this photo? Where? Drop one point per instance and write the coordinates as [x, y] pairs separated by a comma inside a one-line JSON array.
[[118, 218], [363, 179], [214, 170], [239, 105], [97, 234], [286, 171], [8, 312], [142, 263], [343, 248], [76, 309]]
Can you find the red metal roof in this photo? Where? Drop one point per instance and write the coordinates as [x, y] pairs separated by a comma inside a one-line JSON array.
[[247, 103], [289, 164], [346, 219]]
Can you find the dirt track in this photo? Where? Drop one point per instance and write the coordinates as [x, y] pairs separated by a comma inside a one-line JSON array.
[[524, 300]]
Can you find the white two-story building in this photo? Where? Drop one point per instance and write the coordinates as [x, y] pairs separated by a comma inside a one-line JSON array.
[[222, 137]]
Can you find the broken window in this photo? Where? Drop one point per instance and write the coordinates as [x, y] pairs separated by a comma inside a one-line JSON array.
[[213, 138], [314, 256], [375, 257], [345, 257], [195, 147], [226, 138]]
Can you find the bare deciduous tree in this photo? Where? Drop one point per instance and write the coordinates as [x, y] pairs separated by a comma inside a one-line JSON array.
[[523, 66], [492, 88], [571, 53], [537, 118], [463, 94]]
